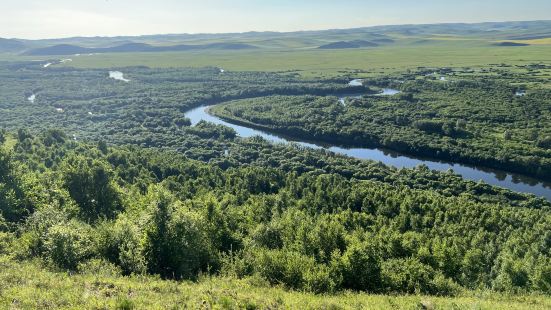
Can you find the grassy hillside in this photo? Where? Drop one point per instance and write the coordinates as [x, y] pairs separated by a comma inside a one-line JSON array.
[[31, 286]]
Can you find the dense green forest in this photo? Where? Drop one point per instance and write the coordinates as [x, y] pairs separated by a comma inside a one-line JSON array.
[[148, 211], [475, 117], [148, 111], [496, 118]]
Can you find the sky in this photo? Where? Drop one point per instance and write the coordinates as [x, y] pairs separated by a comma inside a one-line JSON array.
[[39, 19]]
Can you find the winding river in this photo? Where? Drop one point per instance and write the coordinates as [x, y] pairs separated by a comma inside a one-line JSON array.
[[508, 180]]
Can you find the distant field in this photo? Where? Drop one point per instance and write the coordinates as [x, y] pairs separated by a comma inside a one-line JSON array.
[[546, 41], [314, 62]]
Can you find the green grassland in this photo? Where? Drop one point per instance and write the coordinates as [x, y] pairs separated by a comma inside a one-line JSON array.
[[300, 56], [32, 286], [331, 62]]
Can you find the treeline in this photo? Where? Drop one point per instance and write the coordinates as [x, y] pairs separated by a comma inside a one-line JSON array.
[[147, 211], [471, 120]]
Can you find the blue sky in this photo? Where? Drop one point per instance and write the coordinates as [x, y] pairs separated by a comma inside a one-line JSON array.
[[63, 18]]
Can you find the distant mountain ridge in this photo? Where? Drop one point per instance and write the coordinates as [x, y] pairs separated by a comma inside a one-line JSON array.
[[326, 39], [68, 49], [10, 45]]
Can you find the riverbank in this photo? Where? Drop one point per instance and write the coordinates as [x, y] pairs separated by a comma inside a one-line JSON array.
[[502, 179], [372, 142]]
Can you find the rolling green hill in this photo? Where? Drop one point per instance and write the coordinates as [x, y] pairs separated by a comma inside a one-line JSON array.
[[369, 50]]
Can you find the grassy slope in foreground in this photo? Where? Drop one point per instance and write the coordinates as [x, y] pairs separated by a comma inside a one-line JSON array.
[[30, 286]]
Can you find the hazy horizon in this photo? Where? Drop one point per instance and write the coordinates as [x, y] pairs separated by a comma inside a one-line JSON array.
[[33, 19]]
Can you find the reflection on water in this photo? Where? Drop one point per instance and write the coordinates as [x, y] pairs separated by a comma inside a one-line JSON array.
[[511, 181]]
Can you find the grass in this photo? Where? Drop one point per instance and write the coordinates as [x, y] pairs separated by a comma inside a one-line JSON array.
[[309, 62], [330, 63], [545, 41], [27, 285]]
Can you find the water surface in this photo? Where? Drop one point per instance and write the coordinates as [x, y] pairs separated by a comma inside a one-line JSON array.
[[356, 82], [511, 181], [117, 75], [389, 92]]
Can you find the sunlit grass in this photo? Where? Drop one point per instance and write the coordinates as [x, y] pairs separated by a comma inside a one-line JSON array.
[[313, 62], [30, 286], [545, 41]]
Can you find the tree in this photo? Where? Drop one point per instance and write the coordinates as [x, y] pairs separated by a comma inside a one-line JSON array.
[[182, 122], [473, 267], [23, 134], [54, 136], [177, 244], [89, 182], [545, 142], [13, 205], [361, 270]]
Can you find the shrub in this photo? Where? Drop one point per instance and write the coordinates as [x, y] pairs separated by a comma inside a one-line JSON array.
[[188, 246], [319, 280], [39, 223], [542, 277], [182, 122], [122, 243], [236, 264], [69, 244], [413, 277], [294, 270], [268, 236]]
